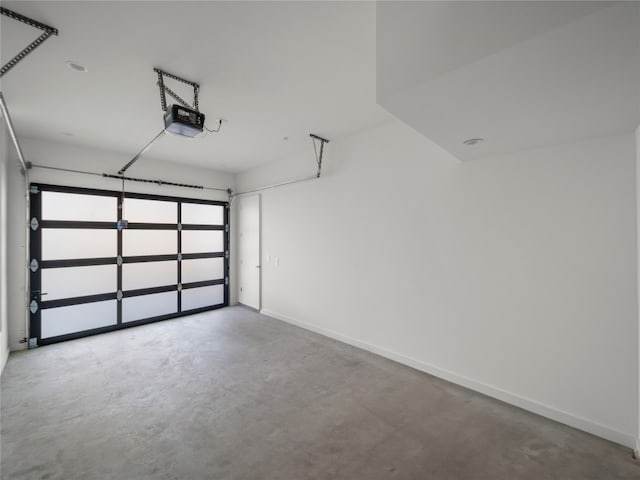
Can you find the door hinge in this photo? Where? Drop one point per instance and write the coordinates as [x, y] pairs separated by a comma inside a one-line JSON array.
[[33, 189]]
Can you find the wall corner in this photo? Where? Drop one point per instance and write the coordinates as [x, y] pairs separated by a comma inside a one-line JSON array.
[[637, 148]]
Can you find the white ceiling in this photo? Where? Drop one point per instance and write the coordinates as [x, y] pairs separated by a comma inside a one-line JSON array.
[[520, 74], [272, 69]]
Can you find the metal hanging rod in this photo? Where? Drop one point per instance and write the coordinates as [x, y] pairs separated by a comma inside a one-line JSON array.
[[48, 31], [133, 179], [12, 133], [289, 182], [139, 154], [70, 170], [268, 187]]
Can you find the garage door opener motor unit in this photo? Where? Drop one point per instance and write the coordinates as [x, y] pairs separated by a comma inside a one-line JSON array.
[[183, 121], [180, 118]]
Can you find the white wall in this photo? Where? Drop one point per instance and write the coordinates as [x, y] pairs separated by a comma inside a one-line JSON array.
[[515, 276], [78, 158], [5, 167]]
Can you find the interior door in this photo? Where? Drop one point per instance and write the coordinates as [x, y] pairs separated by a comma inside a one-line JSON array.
[[249, 251]]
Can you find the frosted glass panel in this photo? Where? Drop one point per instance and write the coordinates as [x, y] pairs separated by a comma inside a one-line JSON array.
[[149, 274], [65, 243], [202, 297], [147, 306], [150, 211], [202, 269], [75, 318], [202, 214], [149, 242], [72, 206], [79, 281], [201, 241]]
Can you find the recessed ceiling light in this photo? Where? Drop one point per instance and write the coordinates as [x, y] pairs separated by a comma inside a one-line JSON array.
[[473, 141], [76, 66]]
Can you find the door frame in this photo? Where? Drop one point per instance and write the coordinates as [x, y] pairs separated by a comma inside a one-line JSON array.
[[239, 256]]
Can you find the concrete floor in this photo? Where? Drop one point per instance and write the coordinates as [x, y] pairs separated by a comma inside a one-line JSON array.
[[231, 394]]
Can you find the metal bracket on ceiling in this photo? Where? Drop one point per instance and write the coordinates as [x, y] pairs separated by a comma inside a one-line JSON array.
[[318, 154], [48, 31], [164, 90]]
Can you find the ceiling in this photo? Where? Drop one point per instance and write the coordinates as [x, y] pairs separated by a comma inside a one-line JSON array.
[[519, 74], [270, 69]]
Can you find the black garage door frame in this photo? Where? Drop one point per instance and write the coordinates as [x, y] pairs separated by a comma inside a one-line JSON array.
[[38, 303]]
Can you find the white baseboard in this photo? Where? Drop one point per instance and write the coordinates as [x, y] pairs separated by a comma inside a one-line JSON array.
[[561, 416], [253, 309], [3, 360]]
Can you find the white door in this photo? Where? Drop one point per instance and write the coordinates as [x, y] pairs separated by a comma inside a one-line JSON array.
[[249, 251]]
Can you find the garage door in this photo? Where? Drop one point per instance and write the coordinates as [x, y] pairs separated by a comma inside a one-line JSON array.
[[90, 275]]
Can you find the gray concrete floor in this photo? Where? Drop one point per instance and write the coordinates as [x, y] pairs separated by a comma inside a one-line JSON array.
[[231, 394]]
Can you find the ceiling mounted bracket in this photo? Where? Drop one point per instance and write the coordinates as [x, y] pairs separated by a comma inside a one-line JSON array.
[[164, 90], [314, 138], [322, 141], [48, 31]]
